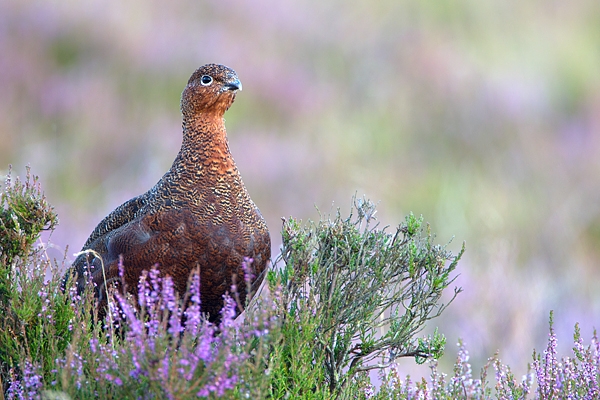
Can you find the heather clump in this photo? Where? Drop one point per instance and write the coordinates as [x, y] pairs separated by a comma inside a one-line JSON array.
[[158, 346], [36, 316], [354, 298], [576, 376], [345, 297], [152, 346], [548, 376], [24, 214]]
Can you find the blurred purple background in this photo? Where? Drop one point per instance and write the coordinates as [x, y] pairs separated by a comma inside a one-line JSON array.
[[482, 116]]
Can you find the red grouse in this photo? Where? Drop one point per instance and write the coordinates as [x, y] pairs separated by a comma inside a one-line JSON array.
[[198, 216]]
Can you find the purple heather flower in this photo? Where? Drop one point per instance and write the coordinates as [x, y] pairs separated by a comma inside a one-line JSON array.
[[228, 314], [247, 268], [137, 367], [193, 313], [75, 365], [114, 379], [463, 376], [204, 349], [596, 346], [32, 379], [130, 317], [15, 388], [169, 300], [93, 345], [369, 391], [121, 267], [547, 369], [164, 367], [437, 378], [142, 289], [154, 286]]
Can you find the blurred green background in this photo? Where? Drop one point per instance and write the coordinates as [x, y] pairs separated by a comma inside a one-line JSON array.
[[484, 116]]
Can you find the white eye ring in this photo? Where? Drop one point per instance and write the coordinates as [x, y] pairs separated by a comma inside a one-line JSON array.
[[206, 80]]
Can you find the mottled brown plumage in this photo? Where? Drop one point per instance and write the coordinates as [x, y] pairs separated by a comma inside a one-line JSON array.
[[199, 215]]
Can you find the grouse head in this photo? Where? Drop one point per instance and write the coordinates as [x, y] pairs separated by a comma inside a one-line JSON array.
[[210, 90]]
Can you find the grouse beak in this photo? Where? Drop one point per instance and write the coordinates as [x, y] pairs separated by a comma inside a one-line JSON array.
[[233, 85]]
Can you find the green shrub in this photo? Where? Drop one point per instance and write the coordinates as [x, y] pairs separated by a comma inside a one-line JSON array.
[[24, 213], [35, 314], [353, 297]]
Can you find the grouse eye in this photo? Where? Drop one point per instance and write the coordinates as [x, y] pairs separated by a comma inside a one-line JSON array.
[[206, 80]]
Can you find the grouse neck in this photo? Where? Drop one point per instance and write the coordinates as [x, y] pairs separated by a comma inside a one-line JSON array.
[[205, 143]]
